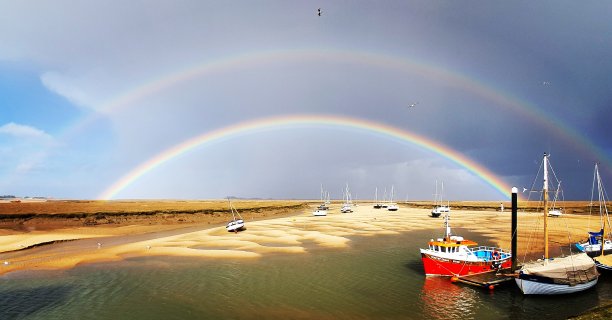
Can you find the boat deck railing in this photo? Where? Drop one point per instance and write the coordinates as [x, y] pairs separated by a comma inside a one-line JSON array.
[[503, 254]]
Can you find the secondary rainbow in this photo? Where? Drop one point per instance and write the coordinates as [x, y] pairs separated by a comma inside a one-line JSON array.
[[554, 125], [305, 120]]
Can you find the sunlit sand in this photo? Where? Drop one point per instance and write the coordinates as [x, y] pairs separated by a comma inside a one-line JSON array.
[[286, 235]]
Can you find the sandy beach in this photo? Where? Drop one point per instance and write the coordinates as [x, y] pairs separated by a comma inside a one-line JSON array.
[[294, 232]]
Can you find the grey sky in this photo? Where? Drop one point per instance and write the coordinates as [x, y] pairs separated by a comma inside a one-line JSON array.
[[65, 60]]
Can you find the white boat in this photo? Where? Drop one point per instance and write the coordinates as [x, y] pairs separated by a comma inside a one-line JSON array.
[[237, 223], [556, 212], [324, 206], [439, 208], [347, 206], [592, 246], [392, 206], [548, 276], [319, 213]]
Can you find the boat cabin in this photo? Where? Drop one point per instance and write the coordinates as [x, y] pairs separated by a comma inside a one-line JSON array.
[[451, 245]]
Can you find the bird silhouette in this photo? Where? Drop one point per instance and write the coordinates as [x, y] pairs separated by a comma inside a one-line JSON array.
[[319, 12]]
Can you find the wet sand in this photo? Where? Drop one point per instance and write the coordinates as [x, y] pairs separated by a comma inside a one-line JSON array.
[[294, 234]]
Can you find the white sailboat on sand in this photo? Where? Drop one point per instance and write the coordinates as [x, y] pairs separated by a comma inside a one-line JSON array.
[[439, 208], [561, 275], [321, 210], [348, 201], [237, 223], [392, 206], [593, 245], [556, 211]]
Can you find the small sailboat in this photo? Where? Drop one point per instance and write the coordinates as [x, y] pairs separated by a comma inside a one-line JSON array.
[[348, 201], [455, 256], [324, 200], [556, 211], [392, 206], [560, 275], [384, 204], [377, 204], [237, 223], [439, 208], [593, 245]]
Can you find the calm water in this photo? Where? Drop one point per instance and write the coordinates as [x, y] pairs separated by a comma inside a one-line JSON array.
[[377, 277]]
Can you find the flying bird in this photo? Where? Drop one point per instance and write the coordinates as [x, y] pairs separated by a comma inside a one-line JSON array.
[[546, 83], [524, 189], [412, 105], [319, 12]]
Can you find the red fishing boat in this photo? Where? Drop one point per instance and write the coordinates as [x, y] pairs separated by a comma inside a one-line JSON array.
[[455, 256]]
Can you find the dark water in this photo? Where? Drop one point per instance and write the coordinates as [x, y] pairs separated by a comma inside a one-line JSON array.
[[379, 277]]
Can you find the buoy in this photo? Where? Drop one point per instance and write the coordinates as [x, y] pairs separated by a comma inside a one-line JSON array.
[[454, 279], [491, 287]]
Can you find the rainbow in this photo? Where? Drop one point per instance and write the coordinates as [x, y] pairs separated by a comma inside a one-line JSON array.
[[499, 98], [292, 121]]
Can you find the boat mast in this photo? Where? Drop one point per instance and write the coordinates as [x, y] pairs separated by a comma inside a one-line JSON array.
[[602, 208], [545, 199], [376, 195], [231, 208], [436, 195]]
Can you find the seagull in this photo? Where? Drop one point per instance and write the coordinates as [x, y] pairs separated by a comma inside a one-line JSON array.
[[524, 189], [412, 105], [546, 83], [319, 12]]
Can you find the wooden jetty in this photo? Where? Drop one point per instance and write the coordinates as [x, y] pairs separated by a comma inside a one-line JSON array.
[[489, 279]]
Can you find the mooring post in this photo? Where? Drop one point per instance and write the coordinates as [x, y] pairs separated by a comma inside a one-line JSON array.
[[514, 227]]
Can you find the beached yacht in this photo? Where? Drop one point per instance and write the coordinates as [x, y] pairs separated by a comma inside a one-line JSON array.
[[237, 223], [392, 206], [453, 255], [319, 212], [347, 206], [439, 208]]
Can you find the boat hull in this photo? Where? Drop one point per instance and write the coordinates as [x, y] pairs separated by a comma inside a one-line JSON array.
[[594, 250], [603, 267], [437, 266], [235, 226], [539, 286], [319, 213]]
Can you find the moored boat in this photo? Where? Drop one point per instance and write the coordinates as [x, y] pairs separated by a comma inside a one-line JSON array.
[[319, 212], [377, 205], [392, 206], [593, 245], [439, 208], [455, 256], [347, 206], [237, 223], [561, 275]]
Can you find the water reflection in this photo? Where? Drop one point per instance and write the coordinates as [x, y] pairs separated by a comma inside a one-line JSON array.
[[441, 299]]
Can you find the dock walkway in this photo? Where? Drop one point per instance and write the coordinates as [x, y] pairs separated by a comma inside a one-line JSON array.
[[489, 279]]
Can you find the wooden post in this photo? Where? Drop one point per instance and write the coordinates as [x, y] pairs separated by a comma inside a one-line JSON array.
[[514, 227]]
